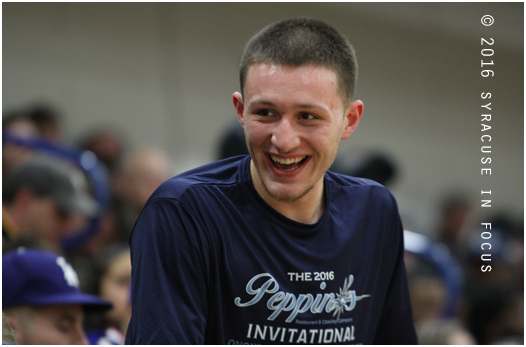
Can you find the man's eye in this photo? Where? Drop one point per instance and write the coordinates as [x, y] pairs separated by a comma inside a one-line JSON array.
[[264, 113], [306, 116]]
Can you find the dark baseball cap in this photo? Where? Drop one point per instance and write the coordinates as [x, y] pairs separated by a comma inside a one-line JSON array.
[[41, 278], [50, 176]]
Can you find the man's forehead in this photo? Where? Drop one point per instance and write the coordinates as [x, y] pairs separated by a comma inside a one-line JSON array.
[[271, 69], [261, 77]]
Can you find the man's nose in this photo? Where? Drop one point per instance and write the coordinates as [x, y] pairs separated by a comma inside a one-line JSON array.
[[285, 136]]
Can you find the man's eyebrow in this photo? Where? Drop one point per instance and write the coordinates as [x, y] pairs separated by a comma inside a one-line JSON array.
[[262, 102], [309, 106], [270, 103]]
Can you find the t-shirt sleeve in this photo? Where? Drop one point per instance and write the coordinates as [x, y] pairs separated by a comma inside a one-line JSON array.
[[168, 277], [396, 325]]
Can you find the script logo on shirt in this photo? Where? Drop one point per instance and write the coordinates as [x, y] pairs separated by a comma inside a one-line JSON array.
[[282, 302]]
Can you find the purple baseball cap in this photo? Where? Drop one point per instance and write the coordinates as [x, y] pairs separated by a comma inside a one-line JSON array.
[[38, 278]]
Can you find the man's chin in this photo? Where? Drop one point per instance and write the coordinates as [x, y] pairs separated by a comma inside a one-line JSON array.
[[285, 193]]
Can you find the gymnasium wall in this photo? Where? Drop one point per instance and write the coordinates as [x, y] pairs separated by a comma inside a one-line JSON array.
[[163, 74]]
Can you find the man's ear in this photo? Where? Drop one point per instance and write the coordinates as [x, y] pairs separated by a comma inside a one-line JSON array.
[[240, 107], [352, 118]]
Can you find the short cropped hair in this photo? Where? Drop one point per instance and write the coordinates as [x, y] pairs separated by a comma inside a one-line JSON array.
[[303, 41]]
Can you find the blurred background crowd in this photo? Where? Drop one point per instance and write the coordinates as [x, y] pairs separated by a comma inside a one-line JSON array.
[[78, 165], [50, 203]]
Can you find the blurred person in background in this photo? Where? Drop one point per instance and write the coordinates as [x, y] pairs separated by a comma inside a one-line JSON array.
[[232, 142], [16, 123], [47, 120], [443, 332], [107, 144], [436, 286], [495, 287], [428, 289], [44, 199], [428, 297], [42, 301], [376, 166], [455, 222], [141, 173], [496, 315], [106, 235], [111, 281]]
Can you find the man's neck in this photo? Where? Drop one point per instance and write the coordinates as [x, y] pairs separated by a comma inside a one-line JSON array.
[[300, 211]]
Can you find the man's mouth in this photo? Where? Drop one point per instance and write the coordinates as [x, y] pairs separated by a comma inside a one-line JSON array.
[[288, 164]]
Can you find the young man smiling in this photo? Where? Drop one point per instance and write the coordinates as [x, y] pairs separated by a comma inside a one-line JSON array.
[[272, 247], [294, 119]]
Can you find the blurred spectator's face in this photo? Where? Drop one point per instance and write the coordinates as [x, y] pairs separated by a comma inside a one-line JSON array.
[[144, 182], [115, 287], [144, 175], [461, 337], [428, 298], [13, 154], [49, 222], [50, 325]]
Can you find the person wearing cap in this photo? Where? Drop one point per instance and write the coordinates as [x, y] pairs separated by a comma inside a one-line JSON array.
[[42, 300], [44, 198]]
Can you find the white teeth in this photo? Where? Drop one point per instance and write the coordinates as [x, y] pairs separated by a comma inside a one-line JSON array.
[[287, 161]]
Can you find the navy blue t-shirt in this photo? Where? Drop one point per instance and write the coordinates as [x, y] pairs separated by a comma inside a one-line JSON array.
[[212, 263]]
